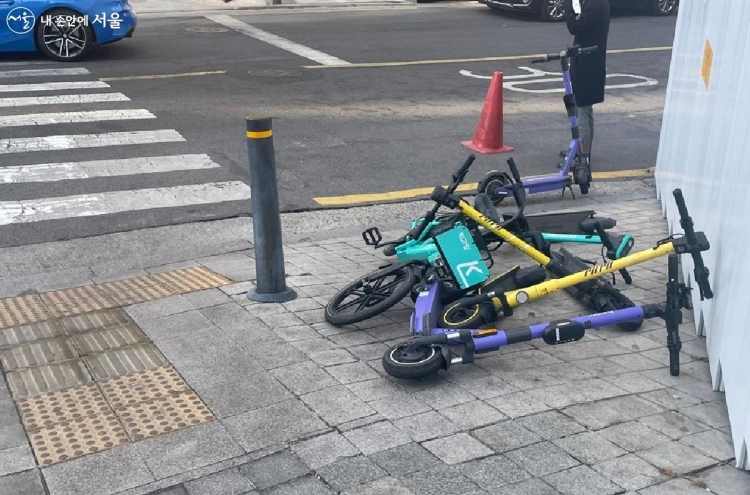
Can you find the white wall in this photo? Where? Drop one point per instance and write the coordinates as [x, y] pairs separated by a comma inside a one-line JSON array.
[[705, 151]]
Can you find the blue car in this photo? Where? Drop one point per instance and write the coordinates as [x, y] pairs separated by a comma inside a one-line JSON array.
[[63, 30]]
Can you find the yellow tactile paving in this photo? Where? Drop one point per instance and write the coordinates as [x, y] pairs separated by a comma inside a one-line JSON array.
[[22, 310], [97, 320], [14, 336], [42, 352], [143, 386], [192, 279], [77, 300], [164, 415], [62, 406], [137, 290]]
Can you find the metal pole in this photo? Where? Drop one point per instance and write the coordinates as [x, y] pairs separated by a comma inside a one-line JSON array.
[[270, 284]]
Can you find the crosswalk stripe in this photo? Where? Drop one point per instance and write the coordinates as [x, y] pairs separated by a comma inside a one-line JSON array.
[[52, 172], [67, 141], [87, 205], [27, 62], [62, 99], [6, 74], [53, 86], [74, 117]]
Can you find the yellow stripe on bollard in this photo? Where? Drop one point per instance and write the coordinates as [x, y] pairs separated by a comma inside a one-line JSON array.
[[259, 134]]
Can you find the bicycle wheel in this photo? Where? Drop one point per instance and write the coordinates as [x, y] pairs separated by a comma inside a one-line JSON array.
[[362, 299]]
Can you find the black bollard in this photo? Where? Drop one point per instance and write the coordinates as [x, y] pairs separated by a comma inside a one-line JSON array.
[[270, 284]]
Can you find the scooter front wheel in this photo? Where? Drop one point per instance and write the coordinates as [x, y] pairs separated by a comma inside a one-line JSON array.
[[364, 298], [400, 362], [491, 182]]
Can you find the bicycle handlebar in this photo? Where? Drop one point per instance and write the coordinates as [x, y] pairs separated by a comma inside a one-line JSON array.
[[701, 271], [571, 52]]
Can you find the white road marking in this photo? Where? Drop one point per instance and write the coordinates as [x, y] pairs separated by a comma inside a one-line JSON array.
[[532, 73], [6, 74], [53, 86], [542, 77], [277, 41], [64, 142], [52, 172], [62, 99], [74, 117], [88, 205], [28, 62]]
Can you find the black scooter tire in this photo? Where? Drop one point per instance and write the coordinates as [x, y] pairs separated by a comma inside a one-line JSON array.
[[409, 279], [433, 362]]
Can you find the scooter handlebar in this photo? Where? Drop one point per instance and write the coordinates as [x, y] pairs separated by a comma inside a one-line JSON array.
[[514, 170], [701, 272], [460, 174]]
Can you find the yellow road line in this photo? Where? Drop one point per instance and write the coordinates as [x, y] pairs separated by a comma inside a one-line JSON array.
[[163, 76], [356, 199], [466, 60]]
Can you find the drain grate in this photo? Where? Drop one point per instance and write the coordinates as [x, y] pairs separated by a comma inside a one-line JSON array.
[[136, 290], [35, 354], [22, 310], [77, 300], [86, 435], [143, 386], [59, 407], [163, 415], [94, 321], [192, 279], [14, 336]]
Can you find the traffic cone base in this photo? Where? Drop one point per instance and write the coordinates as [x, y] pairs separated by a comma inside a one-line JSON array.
[[488, 136]]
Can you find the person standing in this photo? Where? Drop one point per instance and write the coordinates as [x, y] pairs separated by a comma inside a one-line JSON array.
[[588, 22]]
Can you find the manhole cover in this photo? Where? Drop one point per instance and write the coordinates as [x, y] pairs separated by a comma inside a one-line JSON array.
[[274, 73], [206, 29]]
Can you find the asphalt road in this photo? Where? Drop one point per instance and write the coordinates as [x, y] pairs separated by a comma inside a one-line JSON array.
[[337, 130]]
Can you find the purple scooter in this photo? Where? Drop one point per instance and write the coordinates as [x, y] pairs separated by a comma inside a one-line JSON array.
[[496, 184]]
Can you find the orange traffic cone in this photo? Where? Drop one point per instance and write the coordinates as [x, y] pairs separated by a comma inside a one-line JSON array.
[[488, 137]]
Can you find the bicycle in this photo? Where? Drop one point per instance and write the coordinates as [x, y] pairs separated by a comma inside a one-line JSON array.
[[428, 349]]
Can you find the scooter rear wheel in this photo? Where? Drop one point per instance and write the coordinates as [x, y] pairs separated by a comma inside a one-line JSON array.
[[423, 361], [362, 300]]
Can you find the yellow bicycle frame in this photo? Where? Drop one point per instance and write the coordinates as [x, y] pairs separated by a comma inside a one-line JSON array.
[[528, 294]]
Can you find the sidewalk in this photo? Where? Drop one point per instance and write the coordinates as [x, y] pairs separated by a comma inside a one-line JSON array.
[[131, 379]]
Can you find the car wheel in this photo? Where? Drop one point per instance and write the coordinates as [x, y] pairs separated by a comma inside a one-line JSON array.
[[663, 7], [552, 10], [66, 41]]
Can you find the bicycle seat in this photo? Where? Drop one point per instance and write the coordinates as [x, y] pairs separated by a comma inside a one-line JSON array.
[[587, 225], [483, 203]]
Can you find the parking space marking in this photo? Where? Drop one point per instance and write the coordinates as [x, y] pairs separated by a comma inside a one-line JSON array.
[[468, 60], [163, 76], [359, 199], [279, 42], [535, 76]]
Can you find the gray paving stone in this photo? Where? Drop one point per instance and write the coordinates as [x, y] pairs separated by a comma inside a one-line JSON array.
[[478, 382], [26, 483], [371, 390], [354, 338], [405, 459], [275, 424], [333, 357], [238, 324], [303, 378], [172, 490], [610, 411], [633, 382], [471, 415], [309, 485], [241, 288], [670, 398], [107, 472], [12, 435], [382, 486], [699, 389], [443, 395], [582, 480], [368, 352], [352, 372], [713, 414], [532, 358], [542, 458], [519, 404], [159, 307], [714, 443], [551, 425], [273, 354], [533, 486], [180, 325], [325, 449], [302, 304], [376, 437], [589, 447], [727, 480], [293, 334], [311, 346], [494, 472], [677, 457], [630, 472], [635, 362], [187, 449], [399, 406], [337, 405], [505, 436], [678, 486], [439, 480], [673, 424], [359, 423], [457, 448], [349, 472], [274, 469], [207, 298], [633, 436], [16, 459], [576, 392], [426, 426], [281, 320], [227, 482]]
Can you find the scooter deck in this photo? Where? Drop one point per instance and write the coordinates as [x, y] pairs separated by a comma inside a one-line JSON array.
[[561, 223]]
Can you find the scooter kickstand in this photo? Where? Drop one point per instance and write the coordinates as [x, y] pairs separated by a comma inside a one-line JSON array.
[[571, 191]]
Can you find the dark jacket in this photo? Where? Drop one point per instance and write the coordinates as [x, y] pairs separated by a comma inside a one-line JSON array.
[[588, 73]]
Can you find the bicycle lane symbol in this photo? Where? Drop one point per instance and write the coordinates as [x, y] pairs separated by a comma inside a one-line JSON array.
[[536, 76]]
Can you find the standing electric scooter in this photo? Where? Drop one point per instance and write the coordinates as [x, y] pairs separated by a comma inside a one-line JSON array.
[[497, 184]]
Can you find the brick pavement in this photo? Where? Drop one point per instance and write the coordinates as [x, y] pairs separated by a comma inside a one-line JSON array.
[[296, 406]]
